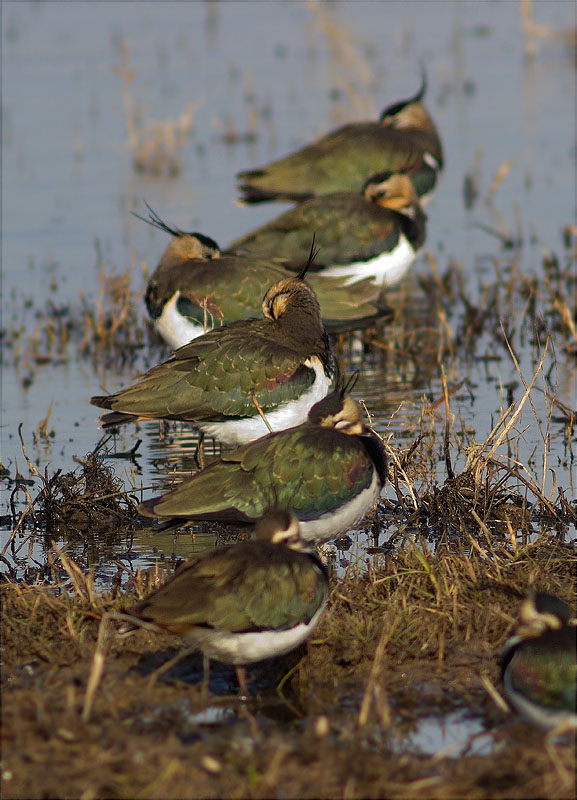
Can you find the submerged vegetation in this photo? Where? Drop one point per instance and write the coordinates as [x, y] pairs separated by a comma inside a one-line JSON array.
[[415, 622], [412, 638], [397, 693]]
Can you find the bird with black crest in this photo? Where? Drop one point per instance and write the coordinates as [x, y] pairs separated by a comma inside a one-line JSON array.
[[328, 472], [242, 380], [403, 139], [196, 287]]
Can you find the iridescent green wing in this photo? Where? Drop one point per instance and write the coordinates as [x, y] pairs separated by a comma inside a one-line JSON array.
[[357, 302], [241, 367], [309, 469], [245, 587], [276, 589], [297, 589], [317, 470], [346, 227], [228, 289], [344, 159], [214, 377], [544, 670]]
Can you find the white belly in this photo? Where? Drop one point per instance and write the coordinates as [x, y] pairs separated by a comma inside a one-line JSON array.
[[175, 329], [241, 431], [385, 269], [342, 519], [245, 648]]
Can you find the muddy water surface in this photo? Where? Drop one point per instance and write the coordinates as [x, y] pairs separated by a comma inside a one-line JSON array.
[[257, 81]]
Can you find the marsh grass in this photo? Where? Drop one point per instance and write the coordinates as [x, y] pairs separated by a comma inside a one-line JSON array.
[[416, 634], [109, 330], [156, 145], [436, 324], [412, 630]]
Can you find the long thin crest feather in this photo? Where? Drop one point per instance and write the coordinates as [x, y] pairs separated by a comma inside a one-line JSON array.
[[313, 253], [391, 111], [157, 222], [351, 382]]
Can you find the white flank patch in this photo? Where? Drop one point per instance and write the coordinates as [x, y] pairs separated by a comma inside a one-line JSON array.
[[387, 268], [174, 328], [431, 161], [245, 648], [424, 198], [545, 718], [343, 518], [241, 431]]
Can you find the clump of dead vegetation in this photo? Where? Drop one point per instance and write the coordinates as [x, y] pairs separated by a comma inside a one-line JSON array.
[[157, 145], [89, 506], [110, 331], [493, 498], [418, 633]]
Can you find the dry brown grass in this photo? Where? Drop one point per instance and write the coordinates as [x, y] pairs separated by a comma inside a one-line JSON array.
[[416, 635], [157, 145]]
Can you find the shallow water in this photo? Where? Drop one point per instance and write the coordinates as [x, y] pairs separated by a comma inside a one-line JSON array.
[[274, 76]]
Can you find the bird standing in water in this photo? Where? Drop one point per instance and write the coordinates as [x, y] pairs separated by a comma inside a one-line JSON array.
[[404, 139], [239, 381], [329, 472]]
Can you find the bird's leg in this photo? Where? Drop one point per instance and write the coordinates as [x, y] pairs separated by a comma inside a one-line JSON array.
[[241, 678], [205, 676], [199, 454], [260, 411]]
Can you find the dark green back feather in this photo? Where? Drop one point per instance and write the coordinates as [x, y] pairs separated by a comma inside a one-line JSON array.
[[245, 587]]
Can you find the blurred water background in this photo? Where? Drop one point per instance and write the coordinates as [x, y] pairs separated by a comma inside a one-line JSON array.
[[84, 84]]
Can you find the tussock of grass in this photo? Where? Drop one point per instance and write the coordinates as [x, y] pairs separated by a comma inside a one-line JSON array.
[[89, 501], [418, 634], [439, 600]]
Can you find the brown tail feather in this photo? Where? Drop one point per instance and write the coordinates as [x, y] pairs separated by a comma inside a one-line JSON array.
[[252, 195], [116, 418]]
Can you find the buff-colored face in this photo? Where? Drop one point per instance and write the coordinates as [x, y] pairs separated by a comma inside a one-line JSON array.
[[533, 622], [189, 248], [280, 527], [286, 293], [348, 419], [396, 192], [412, 115]]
